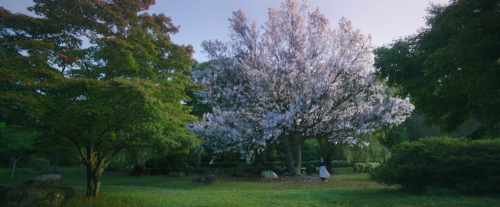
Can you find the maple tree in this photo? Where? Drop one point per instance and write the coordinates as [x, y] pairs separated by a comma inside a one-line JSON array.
[[124, 90]]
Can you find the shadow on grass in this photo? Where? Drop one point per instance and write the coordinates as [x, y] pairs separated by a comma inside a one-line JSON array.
[[386, 197]]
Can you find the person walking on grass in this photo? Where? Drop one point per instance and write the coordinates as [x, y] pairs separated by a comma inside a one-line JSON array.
[[323, 173]]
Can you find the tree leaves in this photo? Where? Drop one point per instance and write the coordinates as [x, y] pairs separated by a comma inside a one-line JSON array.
[[449, 69]]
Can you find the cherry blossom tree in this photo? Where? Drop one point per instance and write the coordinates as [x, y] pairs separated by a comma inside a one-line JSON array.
[[292, 79]]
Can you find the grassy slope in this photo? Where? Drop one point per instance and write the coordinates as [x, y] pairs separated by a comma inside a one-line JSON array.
[[344, 188]]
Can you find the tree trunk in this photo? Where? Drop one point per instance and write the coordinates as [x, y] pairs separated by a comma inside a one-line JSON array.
[[198, 158], [259, 157], [329, 167], [288, 153], [94, 181], [298, 154], [13, 170], [90, 182]]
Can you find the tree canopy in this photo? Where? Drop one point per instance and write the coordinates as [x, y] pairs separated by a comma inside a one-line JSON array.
[[125, 90], [295, 80], [451, 68]]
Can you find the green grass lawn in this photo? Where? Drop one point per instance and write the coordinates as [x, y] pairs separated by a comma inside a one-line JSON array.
[[344, 188]]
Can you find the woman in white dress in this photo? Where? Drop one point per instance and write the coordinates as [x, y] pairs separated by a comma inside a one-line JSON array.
[[323, 173]]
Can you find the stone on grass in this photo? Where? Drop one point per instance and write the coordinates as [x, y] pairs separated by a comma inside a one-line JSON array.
[[44, 180], [268, 174], [52, 170], [205, 180], [21, 196]]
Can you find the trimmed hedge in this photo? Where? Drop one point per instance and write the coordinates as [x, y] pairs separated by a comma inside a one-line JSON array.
[[364, 167], [446, 163], [341, 163]]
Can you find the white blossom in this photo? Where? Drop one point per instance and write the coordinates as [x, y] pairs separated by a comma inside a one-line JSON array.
[[292, 75]]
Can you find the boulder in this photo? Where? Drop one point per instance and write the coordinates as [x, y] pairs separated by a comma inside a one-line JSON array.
[[21, 196], [268, 174], [205, 180], [44, 180], [52, 170]]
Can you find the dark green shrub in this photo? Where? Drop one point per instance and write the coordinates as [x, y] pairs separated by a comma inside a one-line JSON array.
[[340, 163], [311, 169], [39, 163], [443, 162], [220, 165], [358, 167], [364, 167], [159, 171], [238, 172], [202, 171], [374, 172], [112, 168]]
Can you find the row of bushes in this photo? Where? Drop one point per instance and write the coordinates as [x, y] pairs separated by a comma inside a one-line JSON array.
[[455, 164], [340, 163], [335, 163], [364, 167]]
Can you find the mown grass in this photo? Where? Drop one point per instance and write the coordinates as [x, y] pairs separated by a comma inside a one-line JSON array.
[[344, 188]]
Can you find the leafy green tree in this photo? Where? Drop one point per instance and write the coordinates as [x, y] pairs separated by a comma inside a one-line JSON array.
[[450, 69], [374, 150], [15, 142], [123, 91]]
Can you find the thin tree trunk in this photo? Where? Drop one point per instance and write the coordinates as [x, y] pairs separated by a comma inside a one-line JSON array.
[[198, 158], [90, 182], [289, 157], [298, 153], [13, 170], [328, 160], [94, 180], [97, 181]]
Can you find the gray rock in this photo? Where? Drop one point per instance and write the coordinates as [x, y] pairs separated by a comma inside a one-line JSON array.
[[268, 174], [44, 180], [52, 170], [23, 196]]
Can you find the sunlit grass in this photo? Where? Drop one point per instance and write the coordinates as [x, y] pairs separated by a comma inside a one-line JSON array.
[[344, 188]]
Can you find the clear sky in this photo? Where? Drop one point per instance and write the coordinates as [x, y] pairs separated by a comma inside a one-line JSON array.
[[385, 20]]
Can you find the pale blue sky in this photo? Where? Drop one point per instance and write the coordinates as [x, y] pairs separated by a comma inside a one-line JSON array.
[[385, 20]]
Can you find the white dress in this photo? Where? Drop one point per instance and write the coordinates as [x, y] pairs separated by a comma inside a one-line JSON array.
[[323, 173]]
